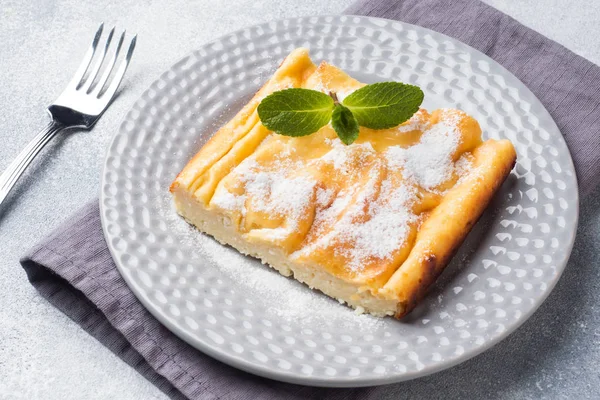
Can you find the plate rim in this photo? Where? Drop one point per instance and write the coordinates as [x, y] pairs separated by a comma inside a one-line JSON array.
[[266, 372]]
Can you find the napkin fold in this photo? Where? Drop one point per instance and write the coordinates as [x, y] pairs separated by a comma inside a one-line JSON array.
[[73, 268]]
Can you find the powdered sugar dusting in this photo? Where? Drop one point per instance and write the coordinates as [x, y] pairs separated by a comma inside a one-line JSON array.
[[463, 165], [373, 227], [227, 200], [276, 194], [386, 230], [281, 297], [269, 190], [284, 297], [345, 158], [324, 196], [413, 124], [364, 218], [429, 162]]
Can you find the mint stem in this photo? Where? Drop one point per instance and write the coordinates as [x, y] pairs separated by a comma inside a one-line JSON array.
[[333, 95]]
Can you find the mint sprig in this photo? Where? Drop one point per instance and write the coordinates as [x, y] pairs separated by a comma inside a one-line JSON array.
[[300, 112]]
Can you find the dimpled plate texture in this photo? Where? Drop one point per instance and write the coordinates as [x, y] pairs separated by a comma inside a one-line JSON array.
[[503, 272]]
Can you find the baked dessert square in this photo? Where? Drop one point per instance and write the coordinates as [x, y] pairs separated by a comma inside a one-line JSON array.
[[371, 224]]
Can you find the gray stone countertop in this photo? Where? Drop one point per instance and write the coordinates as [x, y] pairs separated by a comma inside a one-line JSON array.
[[44, 355]]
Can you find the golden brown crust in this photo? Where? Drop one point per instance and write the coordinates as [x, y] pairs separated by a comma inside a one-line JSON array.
[[443, 232]]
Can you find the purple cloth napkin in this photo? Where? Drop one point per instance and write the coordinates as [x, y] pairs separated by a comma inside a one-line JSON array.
[[73, 268]]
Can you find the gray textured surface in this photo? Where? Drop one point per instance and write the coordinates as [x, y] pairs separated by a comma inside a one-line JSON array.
[[44, 355]]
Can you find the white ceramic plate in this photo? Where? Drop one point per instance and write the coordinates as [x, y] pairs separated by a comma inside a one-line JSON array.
[[239, 311]]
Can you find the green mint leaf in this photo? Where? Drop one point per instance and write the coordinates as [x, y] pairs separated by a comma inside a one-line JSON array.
[[385, 104], [295, 112], [344, 124]]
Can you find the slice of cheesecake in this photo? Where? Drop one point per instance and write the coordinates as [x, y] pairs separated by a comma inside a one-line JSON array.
[[371, 224]]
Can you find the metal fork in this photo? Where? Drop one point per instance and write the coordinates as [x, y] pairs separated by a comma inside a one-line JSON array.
[[79, 106]]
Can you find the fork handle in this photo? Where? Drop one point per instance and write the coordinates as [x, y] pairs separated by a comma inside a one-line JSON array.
[[16, 168]]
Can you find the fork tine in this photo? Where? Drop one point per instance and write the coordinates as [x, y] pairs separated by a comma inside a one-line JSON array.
[[89, 81], [110, 66], [116, 81], [87, 59]]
